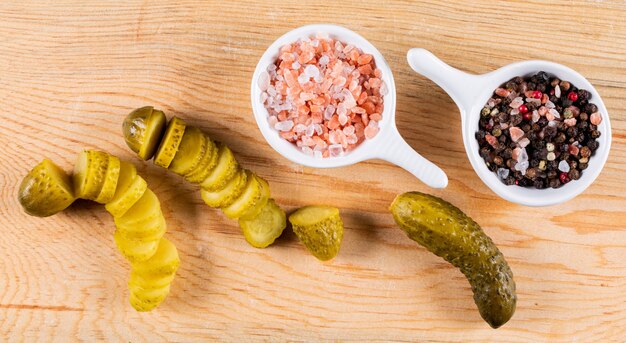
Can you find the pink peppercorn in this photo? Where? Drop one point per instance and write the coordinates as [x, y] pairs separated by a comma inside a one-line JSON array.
[[537, 94], [522, 109], [572, 96], [564, 178]]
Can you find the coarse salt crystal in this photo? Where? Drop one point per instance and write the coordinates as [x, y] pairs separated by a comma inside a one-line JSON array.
[[552, 123], [564, 166], [555, 113], [557, 91], [264, 80], [317, 154], [335, 150], [307, 151], [595, 118], [383, 89], [517, 102], [295, 65], [284, 126], [299, 128], [536, 116], [311, 71], [524, 142], [550, 104], [522, 166], [503, 173]]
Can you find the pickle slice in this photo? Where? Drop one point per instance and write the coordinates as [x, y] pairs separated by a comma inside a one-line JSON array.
[[164, 262], [171, 140], [126, 199], [89, 173], [223, 172], [110, 180], [144, 300], [149, 281], [262, 230], [142, 212], [192, 148], [320, 229], [143, 129], [45, 190], [449, 233], [204, 167], [252, 199], [230, 192], [147, 230], [135, 251]]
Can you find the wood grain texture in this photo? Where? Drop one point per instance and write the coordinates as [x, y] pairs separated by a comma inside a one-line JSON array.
[[71, 70]]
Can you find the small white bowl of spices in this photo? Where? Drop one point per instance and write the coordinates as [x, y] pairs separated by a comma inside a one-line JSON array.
[[537, 133], [324, 97]]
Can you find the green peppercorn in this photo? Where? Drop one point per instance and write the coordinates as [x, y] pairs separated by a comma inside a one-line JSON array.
[[485, 111], [496, 132]]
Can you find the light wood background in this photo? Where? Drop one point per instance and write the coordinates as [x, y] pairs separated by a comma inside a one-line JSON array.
[[71, 70]]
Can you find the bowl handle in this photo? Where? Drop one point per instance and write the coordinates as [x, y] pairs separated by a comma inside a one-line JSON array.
[[462, 87], [394, 149]]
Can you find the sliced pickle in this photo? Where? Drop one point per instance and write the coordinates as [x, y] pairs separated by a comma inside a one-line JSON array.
[[148, 281], [227, 195], [144, 300], [320, 229], [143, 211], [164, 262], [89, 173], [146, 230], [223, 172], [110, 180], [204, 168], [170, 142], [45, 190], [262, 230], [143, 129], [126, 199], [192, 148], [135, 251], [252, 199]]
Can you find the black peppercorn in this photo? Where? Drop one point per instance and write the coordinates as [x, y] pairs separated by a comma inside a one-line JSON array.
[[582, 166], [595, 134], [507, 153], [539, 184], [564, 155], [585, 151], [531, 173], [484, 152], [551, 174], [554, 183], [590, 108], [498, 160], [510, 163], [572, 164], [582, 125], [509, 181], [593, 145], [572, 132], [574, 174], [549, 131], [560, 138], [583, 95], [534, 163]]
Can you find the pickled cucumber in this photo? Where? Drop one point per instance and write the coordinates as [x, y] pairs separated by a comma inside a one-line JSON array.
[[268, 225], [144, 300], [252, 199], [143, 129], [447, 232], [149, 281], [45, 190], [192, 148], [163, 262], [135, 251], [110, 180], [143, 211], [204, 167], [89, 173], [226, 196], [223, 172], [170, 143], [127, 198], [320, 229], [151, 229]]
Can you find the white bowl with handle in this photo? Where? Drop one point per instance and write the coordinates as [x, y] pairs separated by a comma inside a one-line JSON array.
[[387, 145], [471, 92]]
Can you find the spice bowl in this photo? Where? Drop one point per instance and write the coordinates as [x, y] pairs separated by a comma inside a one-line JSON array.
[[471, 92], [387, 145]]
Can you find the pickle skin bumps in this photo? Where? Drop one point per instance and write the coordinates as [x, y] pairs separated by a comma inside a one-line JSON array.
[[320, 229], [449, 233], [136, 211], [190, 153]]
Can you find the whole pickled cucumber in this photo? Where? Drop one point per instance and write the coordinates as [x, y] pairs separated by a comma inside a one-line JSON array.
[[447, 232], [320, 229], [143, 129], [46, 190]]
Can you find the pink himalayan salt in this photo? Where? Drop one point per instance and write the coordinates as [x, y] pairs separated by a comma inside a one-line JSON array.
[[595, 118], [516, 133], [319, 81]]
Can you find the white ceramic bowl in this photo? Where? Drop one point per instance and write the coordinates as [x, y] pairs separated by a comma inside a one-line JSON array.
[[388, 145], [471, 92]]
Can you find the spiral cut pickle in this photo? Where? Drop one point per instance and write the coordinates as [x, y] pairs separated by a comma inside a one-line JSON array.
[[241, 194], [143, 129], [46, 190], [320, 229], [135, 208], [449, 233]]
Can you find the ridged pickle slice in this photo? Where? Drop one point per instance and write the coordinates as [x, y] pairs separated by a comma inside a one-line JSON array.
[[447, 232], [149, 281], [144, 300], [251, 200], [89, 173], [46, 190], [122, 202], [143, 211], [227, 195], [135, 251], [148, 230], [204, 168], [170, 142], [163, 263], [223, 172], [320, 229], [262, 230], [110, 180], [192, 148], [143, 129]]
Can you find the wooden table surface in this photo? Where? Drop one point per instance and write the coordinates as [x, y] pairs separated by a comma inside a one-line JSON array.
[[71, 70]]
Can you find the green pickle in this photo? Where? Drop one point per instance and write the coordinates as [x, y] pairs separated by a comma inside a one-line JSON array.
[[90, 173], [447, 232], [170, 142], [204, 167], [320, 229], [262, 230], [143, 129], [110, 180], [223, 172], [227, 195], [252, 199], [191, 150], [46, 190]]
